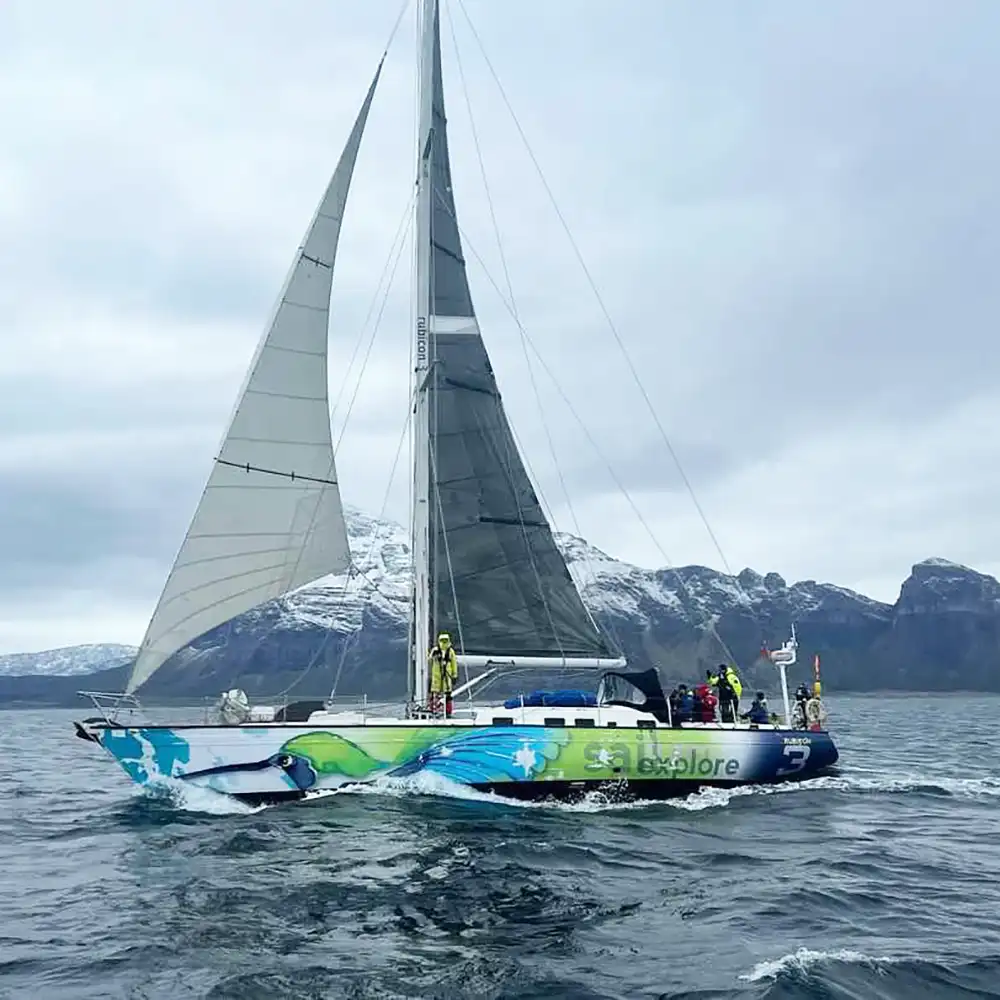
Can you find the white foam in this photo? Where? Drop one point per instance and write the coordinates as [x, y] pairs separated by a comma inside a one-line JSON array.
[[872, 783], [422, 783], [987, 786], [804, 958], [194, 798], [430, 783], [712, 798]]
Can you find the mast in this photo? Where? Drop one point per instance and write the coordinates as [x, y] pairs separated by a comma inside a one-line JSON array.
[[486, 565], [421, 513]]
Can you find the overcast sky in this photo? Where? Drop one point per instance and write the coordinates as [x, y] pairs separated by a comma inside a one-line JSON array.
[[791, 210]]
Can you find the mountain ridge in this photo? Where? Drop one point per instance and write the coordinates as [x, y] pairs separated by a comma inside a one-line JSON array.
[[944, 629]]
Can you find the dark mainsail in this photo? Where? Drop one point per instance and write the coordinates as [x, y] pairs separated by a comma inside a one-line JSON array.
[[497, 581]]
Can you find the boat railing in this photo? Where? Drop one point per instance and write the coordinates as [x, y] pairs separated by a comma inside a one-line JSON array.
[[264, 709], [113, 704], [352, 703]]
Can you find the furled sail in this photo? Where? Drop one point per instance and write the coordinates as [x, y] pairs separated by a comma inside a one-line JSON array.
[[270, 519], [497, 581]]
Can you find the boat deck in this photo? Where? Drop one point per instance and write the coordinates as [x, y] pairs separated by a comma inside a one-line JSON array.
[[599, 717]]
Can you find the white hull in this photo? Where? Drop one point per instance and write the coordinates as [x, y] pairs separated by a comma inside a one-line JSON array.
[[523, 752]]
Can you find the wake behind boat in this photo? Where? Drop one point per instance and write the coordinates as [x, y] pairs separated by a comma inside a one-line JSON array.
[[486, 569]]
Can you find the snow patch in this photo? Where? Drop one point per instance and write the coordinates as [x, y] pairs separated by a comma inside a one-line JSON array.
[[939, 563], [380, 587], [67, 661]]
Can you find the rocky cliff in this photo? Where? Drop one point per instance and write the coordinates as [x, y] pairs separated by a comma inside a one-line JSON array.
[[942, 634]]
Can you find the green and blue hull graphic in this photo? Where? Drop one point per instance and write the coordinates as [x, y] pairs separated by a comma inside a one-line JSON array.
[[273, 762]]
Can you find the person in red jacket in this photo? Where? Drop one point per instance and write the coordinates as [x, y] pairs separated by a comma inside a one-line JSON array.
[[706, 698]]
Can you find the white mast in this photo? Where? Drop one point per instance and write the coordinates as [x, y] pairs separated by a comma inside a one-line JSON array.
[[422, 364]]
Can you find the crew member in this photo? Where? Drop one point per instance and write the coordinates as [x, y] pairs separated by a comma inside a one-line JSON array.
[[729, 686], [675, 708], [444, 671], [687, 704], [758, 713], [726, 713], [705, 697], [736, 687], [801, 697]]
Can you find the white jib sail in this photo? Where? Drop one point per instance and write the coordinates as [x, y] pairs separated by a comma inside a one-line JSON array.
[[270, 519]]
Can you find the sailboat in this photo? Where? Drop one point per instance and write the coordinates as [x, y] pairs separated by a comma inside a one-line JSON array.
[[487, 570]]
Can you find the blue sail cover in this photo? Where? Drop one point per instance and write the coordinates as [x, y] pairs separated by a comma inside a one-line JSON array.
[[553, 699]]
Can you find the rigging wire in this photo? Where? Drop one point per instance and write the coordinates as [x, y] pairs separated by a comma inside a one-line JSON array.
[[524, 347], [395, 27], [503, 262], [378, 319], [414, 270], [583, 565], [352, 639], [331, 475], [604, 310], [451, 571], [378, 300], [375, 296], [600, 454], [394, 255], [507, 464]]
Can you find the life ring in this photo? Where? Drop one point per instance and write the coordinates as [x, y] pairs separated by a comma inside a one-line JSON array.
[[815, 711]]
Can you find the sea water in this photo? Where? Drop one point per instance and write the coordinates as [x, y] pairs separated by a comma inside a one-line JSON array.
[[882, 882]]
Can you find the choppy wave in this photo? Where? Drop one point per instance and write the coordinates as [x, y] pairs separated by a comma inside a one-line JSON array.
[[433, 784], [193, 798], [803, 960], [429, 783], [809, 973], [884, 784], [882, 881]]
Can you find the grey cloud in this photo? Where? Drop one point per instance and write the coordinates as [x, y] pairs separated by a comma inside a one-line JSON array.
[[68, 534], [797, 198]]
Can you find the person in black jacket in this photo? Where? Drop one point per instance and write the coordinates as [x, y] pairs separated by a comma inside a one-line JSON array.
[[758, 714], [675, 708], [799, 715], [727, 698]]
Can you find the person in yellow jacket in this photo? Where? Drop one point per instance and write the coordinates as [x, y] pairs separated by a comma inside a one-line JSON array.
[[444, 671], [736, 685], [730, 687]]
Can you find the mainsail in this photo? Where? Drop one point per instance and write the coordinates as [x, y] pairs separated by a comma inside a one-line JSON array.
[[270, 518], [494, 576]]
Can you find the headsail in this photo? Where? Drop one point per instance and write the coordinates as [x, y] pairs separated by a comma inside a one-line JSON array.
[[495, 578], [270, 519]]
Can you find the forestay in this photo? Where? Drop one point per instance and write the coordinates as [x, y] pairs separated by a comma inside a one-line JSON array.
[[270, 519]]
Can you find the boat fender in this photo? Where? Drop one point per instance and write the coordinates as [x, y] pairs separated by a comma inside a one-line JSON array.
[[234, 707], [815, 711]]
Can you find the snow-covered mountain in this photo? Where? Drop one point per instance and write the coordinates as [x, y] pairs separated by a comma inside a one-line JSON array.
[[68, 661], [943, 632], [610, 587]]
